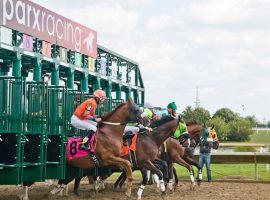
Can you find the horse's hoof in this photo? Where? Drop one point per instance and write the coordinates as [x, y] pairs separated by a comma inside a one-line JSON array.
[[192, 186], [128, 193], [164, 195], [199, 183], [21, 197], [76, 193]]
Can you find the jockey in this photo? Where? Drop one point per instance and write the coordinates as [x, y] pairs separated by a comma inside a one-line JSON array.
[[182, 132], [171, 110], [84, 116], [147, 116]]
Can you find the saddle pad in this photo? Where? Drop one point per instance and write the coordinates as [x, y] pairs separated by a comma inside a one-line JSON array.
[[73, 150], [132, 147]]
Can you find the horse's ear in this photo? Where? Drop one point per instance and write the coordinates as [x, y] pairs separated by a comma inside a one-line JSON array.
[[130, 101], [212, 127]]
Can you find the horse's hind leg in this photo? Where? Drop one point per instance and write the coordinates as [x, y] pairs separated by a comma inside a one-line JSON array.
[[120, 181], [126, 166]]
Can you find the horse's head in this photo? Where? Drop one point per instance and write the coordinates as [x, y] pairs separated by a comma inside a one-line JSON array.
[[135, 113], [213, 135]]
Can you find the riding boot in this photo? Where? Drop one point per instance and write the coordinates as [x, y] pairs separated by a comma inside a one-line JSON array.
[[95, 159], [85, 145]]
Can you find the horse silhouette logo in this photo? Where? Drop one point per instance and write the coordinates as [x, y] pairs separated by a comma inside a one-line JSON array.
[[89, 40]]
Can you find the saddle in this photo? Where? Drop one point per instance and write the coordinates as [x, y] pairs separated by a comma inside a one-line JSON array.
[[129, 147]]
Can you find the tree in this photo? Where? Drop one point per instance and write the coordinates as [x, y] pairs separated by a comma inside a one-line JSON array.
[[226, 114], [200, 114], [252, 119], [239, 130], [187, 114]]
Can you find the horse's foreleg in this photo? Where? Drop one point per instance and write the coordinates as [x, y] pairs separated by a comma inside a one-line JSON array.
[[142, 186], [126, 166], [183, 163], [149, 165], [62, 184], [175, 177], [170, 168], [76, 186], [195, 163]]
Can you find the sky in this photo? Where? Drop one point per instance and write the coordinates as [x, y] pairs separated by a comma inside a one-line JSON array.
[[221, 46]]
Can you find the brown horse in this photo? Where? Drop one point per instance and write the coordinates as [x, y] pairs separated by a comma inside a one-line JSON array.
[[148, 144], [109, 143], [177, 152], [184, 156]]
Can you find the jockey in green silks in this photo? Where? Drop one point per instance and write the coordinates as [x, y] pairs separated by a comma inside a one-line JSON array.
[[182, 131]]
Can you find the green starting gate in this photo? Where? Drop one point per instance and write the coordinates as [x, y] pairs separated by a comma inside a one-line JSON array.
[[55, 132], [11, 129]]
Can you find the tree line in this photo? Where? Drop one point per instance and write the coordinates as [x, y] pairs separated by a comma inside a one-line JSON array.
[[230, 126]]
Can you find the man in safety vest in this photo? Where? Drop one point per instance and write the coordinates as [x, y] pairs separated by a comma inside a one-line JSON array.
[[84, 116]]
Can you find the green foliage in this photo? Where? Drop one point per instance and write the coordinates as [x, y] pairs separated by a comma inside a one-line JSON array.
[[239, 130], [252, 119], [200, 114], [226, 114], [187, 114]]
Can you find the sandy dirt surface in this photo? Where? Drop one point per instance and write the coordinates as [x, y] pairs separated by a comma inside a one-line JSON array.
[[207, 191]]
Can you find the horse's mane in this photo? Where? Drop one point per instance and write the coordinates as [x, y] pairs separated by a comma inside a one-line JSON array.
[[192, 122], [163, 120], [108, 115]]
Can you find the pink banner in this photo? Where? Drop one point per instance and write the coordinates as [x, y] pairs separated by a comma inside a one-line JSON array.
[[27, 43], [32, 19]]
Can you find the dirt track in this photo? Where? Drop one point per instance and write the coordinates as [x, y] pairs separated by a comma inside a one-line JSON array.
[[212, 191]]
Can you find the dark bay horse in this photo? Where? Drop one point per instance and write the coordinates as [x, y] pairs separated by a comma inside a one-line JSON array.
[[148, 144], [108, 143]]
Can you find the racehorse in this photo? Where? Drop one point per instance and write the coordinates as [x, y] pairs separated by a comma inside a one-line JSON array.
[[108, 145], [178, 152], [195, 130], [147, 149]]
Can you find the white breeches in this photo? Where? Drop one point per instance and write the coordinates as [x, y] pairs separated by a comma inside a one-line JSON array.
[[83, 124], [132, 129]]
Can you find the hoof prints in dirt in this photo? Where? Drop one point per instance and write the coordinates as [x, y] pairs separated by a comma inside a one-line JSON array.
[[207, 191]]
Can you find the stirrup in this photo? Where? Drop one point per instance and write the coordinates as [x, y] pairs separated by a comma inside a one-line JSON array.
[[84, 146]]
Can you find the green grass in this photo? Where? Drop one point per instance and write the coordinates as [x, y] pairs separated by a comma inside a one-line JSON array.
[[230, 171], [219, 171], [260, 137]]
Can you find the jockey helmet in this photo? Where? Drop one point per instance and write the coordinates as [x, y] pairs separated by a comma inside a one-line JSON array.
[[172, 106], [101, 95], [148, 105], [148, 112]]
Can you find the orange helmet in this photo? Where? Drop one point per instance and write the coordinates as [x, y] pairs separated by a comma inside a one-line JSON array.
[[100, 94]]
